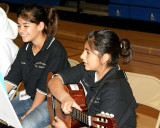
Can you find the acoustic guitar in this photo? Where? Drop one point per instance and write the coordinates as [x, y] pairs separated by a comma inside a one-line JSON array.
[[77, 118]]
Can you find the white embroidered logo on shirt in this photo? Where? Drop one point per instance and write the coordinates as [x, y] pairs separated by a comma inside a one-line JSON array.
[[39, 65], [23, 62]]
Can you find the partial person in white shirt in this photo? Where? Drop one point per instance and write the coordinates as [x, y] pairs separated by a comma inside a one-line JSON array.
[[8, 49]]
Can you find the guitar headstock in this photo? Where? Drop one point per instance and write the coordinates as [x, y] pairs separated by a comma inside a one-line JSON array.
[[103, 120]]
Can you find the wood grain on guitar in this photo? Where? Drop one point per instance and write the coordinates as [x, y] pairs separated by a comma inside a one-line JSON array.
[[78, 118]]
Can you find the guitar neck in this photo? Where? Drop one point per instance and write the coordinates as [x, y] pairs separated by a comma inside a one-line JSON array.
[[80, 116]]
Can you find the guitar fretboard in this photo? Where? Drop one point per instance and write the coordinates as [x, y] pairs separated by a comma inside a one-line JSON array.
[[80, 116]]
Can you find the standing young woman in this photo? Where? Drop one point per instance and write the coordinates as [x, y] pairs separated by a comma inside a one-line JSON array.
[[40, 54], [99, 71]]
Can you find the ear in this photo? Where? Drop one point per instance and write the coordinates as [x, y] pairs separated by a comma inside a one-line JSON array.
[[105, 58], [41, 26]]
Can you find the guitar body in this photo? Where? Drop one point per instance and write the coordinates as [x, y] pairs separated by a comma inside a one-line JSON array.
[[79, 97], [54, 106]]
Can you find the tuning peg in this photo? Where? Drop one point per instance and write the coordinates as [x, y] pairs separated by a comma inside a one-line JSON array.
[[103, 112], [111, 115], [107, 114], [98, 126]]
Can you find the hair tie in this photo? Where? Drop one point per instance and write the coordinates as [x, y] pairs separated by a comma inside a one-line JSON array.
[[120, 45]]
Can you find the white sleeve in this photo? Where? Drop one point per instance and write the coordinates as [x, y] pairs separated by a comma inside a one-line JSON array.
[[59, 76]]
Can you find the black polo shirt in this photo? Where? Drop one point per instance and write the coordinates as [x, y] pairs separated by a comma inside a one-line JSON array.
[[115, 97], [33, 69]]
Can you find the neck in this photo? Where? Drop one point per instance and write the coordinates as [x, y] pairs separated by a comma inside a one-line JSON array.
[[102, 72], [38, 44]]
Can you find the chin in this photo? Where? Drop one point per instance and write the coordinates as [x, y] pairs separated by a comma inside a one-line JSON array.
[[25, 41], [87, 68]]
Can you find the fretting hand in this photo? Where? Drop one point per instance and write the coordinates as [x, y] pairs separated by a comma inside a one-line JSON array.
[[67, 105]]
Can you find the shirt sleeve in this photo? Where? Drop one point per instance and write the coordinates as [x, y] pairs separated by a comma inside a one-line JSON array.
[[14, 76], [5, 61], [73, 75], [6, 56]]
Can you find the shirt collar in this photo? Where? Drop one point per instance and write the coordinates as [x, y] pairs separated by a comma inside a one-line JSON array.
[[49, 40], [109, 73]]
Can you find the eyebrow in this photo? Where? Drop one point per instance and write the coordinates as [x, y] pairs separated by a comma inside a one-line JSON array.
[[86, 49], [25, 23]]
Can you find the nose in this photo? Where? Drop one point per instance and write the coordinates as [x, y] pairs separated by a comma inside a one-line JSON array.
[[20, 29], [82, 55]]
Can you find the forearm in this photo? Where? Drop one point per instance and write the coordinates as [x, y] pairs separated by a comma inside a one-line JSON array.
[[39, 98], [56, 88], [8, 86]]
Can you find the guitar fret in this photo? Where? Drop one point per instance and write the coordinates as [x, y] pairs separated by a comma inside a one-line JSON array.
[[79, 115], [85, 118]]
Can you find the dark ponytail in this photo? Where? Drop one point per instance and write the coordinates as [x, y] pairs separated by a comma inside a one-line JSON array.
[[126, 52], [52, 22]]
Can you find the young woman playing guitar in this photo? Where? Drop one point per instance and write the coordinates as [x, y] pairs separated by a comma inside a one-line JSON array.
[[105, 84]]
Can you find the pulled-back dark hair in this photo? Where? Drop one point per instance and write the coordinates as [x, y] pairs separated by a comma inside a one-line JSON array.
[[107, 41], [35, 14], [126, 51]]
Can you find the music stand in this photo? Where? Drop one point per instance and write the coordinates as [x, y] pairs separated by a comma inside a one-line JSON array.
[[7, 112]]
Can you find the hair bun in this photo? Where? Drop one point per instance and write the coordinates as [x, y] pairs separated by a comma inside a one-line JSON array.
[[126, 51]]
